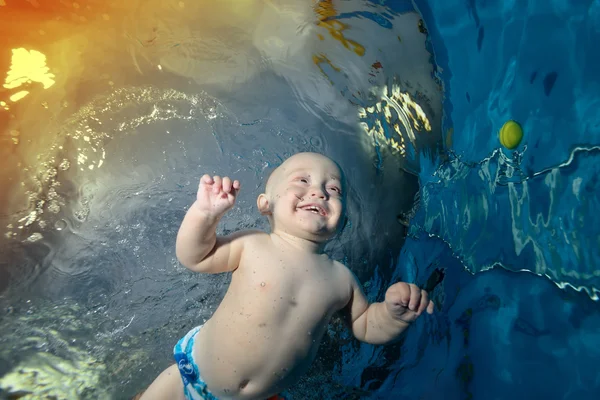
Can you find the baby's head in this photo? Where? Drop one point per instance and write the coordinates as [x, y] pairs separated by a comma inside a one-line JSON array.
[[305, 197]]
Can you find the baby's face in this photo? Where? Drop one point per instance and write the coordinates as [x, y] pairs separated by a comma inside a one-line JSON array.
[[308, 197]]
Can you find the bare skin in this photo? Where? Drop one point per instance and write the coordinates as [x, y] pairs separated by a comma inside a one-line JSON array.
[[266, 332]]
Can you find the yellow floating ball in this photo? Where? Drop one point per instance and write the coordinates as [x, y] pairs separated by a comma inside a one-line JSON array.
[[511, 134]]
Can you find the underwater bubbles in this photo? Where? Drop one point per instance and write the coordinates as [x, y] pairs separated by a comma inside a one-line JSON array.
[[60, 225]]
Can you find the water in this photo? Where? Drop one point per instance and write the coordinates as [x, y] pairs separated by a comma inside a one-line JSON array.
[[99, 167]]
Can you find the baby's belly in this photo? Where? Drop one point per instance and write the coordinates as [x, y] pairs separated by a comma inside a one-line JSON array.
[[246, 356]]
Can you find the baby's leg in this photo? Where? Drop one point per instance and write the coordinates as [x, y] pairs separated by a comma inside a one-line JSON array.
[[167, 386]]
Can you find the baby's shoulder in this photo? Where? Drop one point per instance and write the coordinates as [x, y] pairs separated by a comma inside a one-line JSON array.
[[346, 275], [342, 271], [252, 236]]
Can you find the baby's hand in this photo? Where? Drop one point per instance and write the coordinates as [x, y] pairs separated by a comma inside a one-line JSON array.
[[216, 195], [405, 302]]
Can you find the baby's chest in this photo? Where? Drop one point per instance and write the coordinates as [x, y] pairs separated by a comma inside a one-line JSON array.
[[295, 282]]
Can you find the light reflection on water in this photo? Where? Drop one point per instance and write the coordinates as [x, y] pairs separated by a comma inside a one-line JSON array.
[[147, 97], [98, 168], [550, 228]]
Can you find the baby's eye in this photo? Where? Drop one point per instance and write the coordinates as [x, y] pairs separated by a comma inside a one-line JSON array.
[[335, 189], [303, 180]]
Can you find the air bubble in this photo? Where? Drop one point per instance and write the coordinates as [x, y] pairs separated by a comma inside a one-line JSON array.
[[316, 141], [60, 225]]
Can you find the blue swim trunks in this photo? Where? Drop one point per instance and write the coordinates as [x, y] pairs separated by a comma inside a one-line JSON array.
[[193, 385]]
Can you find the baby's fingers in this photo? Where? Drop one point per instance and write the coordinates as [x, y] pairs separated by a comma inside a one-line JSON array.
[[227, 184], [424, 302], [415, 297], [229, 187], [217, 185], [430, 307], [206, 180]]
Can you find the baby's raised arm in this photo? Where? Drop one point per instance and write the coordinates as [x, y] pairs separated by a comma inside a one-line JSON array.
[[198, 248]]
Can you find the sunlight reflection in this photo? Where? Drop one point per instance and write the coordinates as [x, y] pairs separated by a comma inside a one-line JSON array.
[[27, 66], [401, 114]]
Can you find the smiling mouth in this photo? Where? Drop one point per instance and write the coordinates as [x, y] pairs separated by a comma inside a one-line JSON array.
[[315, 209]]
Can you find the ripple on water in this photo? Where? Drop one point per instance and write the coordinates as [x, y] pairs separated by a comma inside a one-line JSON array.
[[52, 182], [471, 205]]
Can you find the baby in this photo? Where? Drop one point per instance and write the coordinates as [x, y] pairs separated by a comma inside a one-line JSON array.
[[284, 290]]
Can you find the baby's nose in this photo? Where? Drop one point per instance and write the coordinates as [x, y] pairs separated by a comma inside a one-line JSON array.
[[318, 192]]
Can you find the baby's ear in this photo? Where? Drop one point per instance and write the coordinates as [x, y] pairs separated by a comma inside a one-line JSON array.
[[262, 202]]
